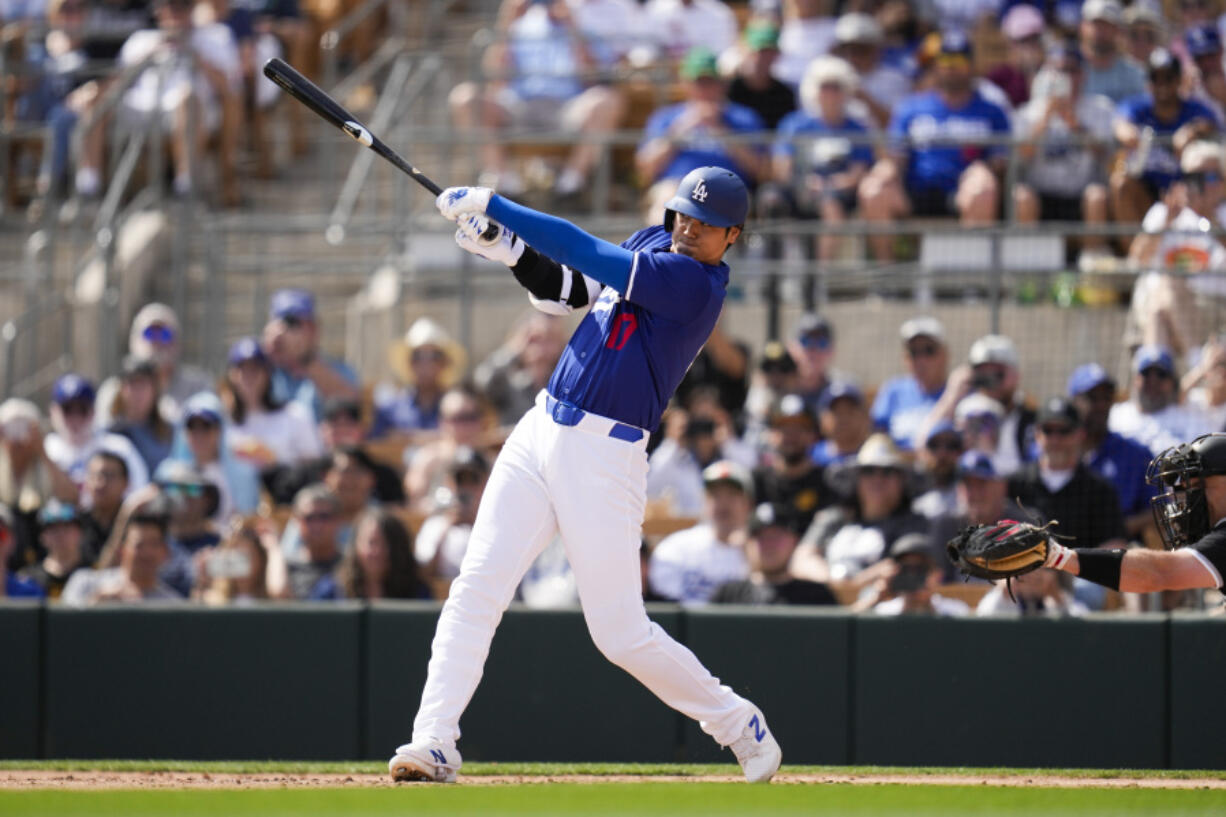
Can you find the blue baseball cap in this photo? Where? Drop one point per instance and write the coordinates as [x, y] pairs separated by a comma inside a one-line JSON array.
[[1202, 41], [201, 412], [954, 42], [292, 303], [245, 349], [977, 464], [1151, 355], [54, 512], [839, 390], [72, 388], [1088, 376], [713, 195]]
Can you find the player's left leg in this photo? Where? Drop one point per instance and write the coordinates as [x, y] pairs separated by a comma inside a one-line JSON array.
[[599, 489]]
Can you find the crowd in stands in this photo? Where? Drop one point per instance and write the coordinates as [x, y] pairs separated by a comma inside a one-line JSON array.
[[773, 479]]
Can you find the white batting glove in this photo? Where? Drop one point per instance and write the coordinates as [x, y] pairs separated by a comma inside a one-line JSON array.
[[506, 248], [455, 201], [1057, 555]]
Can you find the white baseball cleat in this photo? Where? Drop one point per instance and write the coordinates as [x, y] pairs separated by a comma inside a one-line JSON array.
[[757, 750], [430, 761]]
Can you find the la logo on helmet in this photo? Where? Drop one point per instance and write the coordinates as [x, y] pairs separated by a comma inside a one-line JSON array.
[[700, 192]]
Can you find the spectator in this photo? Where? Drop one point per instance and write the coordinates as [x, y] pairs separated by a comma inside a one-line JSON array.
[[1174, 247], [790, 476], [464, 421], [102, 495], [341, 427], [938, 457], [1143, 127], [695, 437], [776, 377], [1146, 31], [1023, 27], [201, 439], [875, 510], [60, 535], [813, 350], [155, 336], [679, 26], [28, 477], [772, 541], [903, 403], [882, 85], [352, 478], [1204, 47], [428, 362], [978, 419], [1154, 416], [190, 500], [1204, 386], [1060, 486], [992, 371], [844, 424], [1108, 71], [1063, 134], [143, 551], [539, 65], [914, 581], [691, 134], [13, 586], [807, 32], [236, 571], [74, 438], [136, 414], [720, 371], [1038, 593], [314, 576], [194, 98], [834, 154], [1115, 458], [263, 432], [982, 499], [443, 538], [381, 565], [754, 87], [926, 176], [301, 372], [689, 565], [516, 372]]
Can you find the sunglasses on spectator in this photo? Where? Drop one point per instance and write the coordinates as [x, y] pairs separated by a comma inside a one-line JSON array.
[[943, 444], [179, 489], [77, 409], [1202, 178], [1164, 78], [464, 417], [158, 333], [200, 426], [318, 517], [291, 321], [953, 61], [922, 349], [815, 340], [428, 356], [1156, 372], [1060, 430], [979, 422], [877, 471]]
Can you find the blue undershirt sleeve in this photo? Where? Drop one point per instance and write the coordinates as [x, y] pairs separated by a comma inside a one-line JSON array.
[[565, 243]]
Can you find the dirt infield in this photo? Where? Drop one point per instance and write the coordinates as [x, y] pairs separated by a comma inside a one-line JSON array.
[[27, 780]]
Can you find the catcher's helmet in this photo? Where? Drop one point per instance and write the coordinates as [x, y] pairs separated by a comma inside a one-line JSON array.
[[1180, 509], [713, 195]]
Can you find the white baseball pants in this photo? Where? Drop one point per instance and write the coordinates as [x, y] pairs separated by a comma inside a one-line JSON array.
[[576, 480]]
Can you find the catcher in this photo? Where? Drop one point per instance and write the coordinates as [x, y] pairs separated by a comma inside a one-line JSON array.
[[1190, 509]]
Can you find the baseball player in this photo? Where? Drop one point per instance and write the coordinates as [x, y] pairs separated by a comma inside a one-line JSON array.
[[576, 464], [1190, 510]]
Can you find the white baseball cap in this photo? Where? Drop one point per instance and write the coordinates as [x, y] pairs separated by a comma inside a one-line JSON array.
[[856, 27], [1107, 10], [977, 405], [993, 349], [730, 472], [922, 327]]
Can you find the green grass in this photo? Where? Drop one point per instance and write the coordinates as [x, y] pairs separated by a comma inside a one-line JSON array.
[[556, 769], [707, 799]]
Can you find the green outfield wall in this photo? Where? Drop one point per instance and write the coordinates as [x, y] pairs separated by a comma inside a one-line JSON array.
[[342, 681]]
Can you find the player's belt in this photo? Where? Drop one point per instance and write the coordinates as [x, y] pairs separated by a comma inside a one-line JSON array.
[[568, 414]]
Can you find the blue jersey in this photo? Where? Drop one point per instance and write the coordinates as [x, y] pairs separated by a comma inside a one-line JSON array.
[[1123, 462], [703, 150], [924, 118], [901, 407], [1162, 166], [630, 351], [831, 150]]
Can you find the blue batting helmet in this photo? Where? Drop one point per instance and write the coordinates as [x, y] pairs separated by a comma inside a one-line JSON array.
[[713, 195]]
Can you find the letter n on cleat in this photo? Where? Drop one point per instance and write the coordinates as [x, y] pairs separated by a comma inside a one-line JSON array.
[[439, 757], [759, 730]]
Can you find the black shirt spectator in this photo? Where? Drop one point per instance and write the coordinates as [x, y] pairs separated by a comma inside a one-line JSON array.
[[1087, 507], [754, 86]]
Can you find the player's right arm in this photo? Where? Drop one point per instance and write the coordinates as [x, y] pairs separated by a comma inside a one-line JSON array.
[[1138, 570]]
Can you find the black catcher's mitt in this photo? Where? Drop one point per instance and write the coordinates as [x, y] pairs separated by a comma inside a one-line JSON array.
[[1001, 551]]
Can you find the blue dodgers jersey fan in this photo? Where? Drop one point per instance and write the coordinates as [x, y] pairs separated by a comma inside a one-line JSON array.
[[629, 353]]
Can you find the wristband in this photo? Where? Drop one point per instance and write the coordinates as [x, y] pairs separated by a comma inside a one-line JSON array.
[[1101, 566], [1057, 555]]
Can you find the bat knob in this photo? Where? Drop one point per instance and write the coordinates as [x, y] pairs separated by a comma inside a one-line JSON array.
[[490, 233]]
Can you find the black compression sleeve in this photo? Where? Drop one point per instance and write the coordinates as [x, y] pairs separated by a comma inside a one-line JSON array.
[[543, 277], [1101, 566]]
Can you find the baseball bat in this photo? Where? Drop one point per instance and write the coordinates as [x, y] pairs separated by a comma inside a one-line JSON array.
[[331, 111]]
